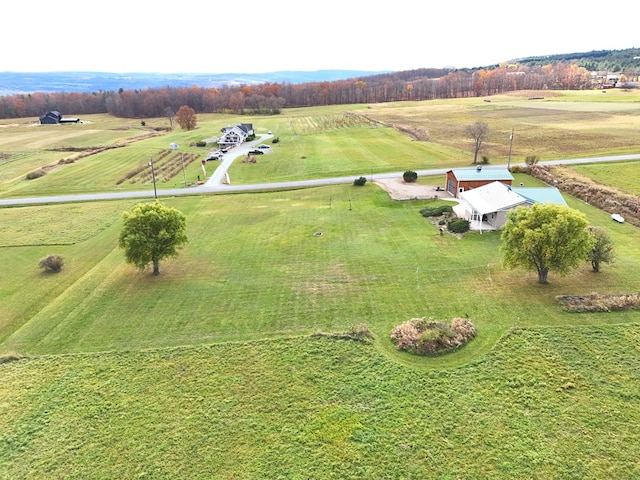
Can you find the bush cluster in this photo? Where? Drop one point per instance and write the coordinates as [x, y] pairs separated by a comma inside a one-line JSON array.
[[360, 181], [436, 211], [595, 302], [423, 336], [51, 263], [410, 176], [36, 174], [459, 225]]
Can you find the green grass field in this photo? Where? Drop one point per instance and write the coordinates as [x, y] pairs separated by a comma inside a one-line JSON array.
[[214, 369], [554, 402]]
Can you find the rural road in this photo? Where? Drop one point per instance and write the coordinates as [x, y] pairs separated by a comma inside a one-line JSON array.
[[215, 184]]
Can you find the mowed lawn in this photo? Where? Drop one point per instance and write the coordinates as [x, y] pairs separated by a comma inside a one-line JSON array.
[[273, 265]]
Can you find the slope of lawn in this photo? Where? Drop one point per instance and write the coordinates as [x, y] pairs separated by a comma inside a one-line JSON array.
[[215, 369], [547, 402], [278, 264]]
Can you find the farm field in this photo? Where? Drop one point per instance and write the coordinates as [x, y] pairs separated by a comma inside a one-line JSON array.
[[319, 142], [232, 363]]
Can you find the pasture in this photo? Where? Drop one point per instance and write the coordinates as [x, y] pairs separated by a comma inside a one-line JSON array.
[[225, 365]]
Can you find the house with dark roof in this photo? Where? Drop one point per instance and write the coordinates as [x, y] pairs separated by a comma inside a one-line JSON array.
[[463, 179], [54, 117], [51, 118]]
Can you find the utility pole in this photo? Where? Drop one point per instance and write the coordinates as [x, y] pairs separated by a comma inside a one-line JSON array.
[[153, 177], [510, 147]]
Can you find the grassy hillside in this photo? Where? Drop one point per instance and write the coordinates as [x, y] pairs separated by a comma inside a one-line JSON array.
[[214, 370], [552, 402]]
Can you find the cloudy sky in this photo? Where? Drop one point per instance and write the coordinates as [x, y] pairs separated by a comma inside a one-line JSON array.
[[252, 36]]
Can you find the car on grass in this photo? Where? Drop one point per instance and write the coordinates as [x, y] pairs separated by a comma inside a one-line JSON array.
[[256, 151]]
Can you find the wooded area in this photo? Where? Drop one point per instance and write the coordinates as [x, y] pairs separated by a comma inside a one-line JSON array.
[[270, 98]]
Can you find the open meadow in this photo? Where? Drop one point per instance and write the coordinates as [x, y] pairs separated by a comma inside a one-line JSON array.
[[232, 364]]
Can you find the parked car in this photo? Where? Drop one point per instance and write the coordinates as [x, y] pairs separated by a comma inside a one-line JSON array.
[[264, 147], [213, 156], [257, 151]]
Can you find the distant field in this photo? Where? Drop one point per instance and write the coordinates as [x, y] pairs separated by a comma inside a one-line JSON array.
[[325, 141]]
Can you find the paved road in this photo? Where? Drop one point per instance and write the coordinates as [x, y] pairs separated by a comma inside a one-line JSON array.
[[214, 183]]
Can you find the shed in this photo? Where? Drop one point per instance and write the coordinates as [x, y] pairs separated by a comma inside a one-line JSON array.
[[462, 179]]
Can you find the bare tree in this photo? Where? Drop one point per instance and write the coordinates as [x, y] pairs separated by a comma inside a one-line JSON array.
[[170, 114], [478, 132]]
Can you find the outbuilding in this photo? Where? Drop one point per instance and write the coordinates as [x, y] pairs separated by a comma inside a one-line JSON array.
[[51, 118], [463, 179]]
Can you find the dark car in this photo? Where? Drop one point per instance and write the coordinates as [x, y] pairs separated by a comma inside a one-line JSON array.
[[256, 152], [213, 157]]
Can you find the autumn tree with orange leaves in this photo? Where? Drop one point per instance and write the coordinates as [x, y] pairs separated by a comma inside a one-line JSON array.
[[186, 118]]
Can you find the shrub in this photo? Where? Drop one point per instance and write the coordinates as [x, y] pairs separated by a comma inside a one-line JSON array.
[[410, 176], [36, 174], [201, 143], [436, 211], [429, 337], [52, 263], [531, 160], [360, 181], [485, 160], [275, 140], [459, 225]]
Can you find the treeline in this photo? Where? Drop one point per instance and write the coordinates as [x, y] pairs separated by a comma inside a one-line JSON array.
[[625, 61], [270, 98]]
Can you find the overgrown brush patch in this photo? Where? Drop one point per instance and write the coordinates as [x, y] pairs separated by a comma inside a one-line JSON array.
[[423, 336], [603, 197], [594, 302]]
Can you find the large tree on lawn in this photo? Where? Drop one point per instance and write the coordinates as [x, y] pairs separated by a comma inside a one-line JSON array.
[[545, 238], [151, 233]]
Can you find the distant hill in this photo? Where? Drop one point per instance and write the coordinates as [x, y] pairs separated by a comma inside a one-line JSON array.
[[88, 82], [597, 60]]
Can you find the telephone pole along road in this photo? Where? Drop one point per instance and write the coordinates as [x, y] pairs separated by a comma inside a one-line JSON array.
[[215, 185]]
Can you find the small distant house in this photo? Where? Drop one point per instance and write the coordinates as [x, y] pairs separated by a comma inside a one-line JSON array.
[[486, 207], [463, 179], [232, 136], [51, 118], [54, 117]]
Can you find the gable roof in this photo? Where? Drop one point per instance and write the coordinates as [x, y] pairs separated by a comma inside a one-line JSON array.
[[493, 197], [497, 196], [479, 173]]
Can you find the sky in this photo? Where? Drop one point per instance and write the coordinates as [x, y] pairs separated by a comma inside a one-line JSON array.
[[253, 36]]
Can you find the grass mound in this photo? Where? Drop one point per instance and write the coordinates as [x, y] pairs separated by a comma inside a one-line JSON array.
[[429, 337]]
